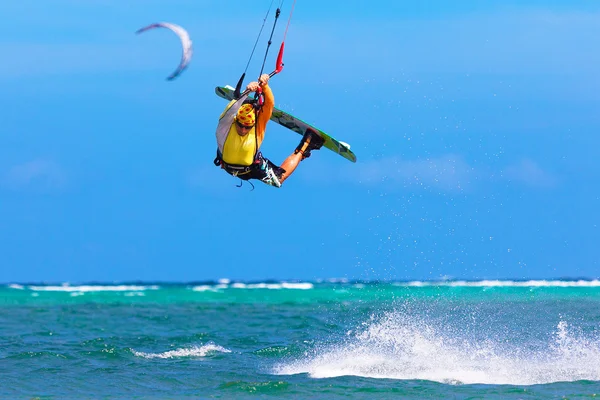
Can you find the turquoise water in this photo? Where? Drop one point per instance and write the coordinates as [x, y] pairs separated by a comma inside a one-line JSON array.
[[446, 340]]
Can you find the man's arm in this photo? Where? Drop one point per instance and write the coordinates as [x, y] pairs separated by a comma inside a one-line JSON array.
[[264, 115]]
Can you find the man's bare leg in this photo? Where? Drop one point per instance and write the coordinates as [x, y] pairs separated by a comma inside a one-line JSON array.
[[290, 164]]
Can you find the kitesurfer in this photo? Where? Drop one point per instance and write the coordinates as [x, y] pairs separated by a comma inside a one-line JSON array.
[[240, 133]]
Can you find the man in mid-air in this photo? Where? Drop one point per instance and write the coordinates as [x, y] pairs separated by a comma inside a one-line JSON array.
[[240, 133]]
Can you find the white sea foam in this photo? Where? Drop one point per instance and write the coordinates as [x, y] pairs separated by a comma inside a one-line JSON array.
[[264, 286], [92, 288], [195, 351], [299, 286], [273, 286], [15, 286], [402, 347], [209, 288], [504, 283], [225, 284]]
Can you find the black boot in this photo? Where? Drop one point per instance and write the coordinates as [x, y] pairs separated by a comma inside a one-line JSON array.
[[310, 141]]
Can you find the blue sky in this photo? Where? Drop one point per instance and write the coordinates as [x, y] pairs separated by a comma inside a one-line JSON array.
[[475, 124]]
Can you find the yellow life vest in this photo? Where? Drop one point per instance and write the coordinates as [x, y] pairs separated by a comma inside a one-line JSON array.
[[239, 150]]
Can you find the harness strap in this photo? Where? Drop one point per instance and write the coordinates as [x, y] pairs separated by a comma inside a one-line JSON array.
[[236, 170], [217, 161]]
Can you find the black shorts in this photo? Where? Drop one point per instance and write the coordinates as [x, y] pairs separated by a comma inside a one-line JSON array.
[[262, 169]]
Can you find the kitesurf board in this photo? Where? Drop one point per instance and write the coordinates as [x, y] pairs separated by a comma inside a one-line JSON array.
[[297, 125]]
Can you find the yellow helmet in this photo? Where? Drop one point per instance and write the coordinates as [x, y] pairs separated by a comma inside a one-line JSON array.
[[246, 115]]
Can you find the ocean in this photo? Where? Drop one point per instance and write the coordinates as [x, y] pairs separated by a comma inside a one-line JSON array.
[[325, 339]]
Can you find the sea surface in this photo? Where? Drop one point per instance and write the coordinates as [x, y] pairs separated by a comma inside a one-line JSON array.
[[324, 339]]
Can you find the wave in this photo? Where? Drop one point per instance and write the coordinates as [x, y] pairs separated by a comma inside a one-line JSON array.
[[504, 283], [316, 289], [223, 284], [195, 351], [91, 288]]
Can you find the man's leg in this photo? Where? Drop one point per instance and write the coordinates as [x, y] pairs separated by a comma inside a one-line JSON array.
[[310, 141], [265, 171], [289, 165]]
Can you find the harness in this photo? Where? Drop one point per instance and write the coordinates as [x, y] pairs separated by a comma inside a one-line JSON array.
[[237, 170]]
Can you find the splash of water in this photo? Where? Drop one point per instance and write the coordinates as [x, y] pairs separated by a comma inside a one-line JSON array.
[[400, 346]]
